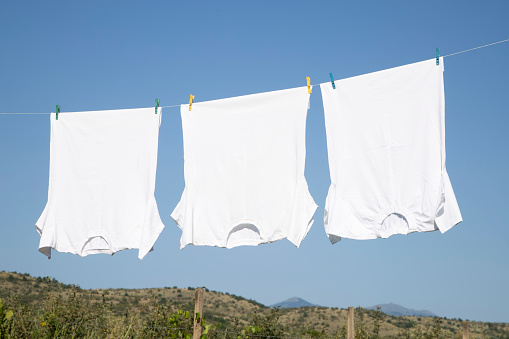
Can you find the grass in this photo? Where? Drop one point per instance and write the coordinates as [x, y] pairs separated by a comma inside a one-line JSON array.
[[45, 308]]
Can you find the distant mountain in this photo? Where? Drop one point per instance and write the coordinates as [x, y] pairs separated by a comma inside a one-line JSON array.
[[398, 310], [293, 303]]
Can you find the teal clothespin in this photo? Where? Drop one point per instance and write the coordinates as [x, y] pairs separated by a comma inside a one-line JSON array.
[[438, 56], [57, 111], [157, 104], [332, 81]]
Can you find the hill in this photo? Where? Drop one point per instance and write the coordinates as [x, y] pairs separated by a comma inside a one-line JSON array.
[[293, 303], [398, 310], [32, 295]]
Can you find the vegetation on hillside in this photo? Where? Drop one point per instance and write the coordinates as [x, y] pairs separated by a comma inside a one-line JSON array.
[[44, 308]]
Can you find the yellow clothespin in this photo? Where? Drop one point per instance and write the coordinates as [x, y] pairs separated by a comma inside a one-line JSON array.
[[191, 100], [309, 85]]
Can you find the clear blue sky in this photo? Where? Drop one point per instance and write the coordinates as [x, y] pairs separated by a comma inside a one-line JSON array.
[[94, 55]]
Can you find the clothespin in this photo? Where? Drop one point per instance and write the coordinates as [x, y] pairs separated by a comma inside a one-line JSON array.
[[157, 105], [438, 56], [191, 100], [57, 111], [309, 84], [332, 81]]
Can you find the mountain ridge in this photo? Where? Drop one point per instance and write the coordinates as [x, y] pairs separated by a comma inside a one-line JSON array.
[[401, 311], [294, 302]]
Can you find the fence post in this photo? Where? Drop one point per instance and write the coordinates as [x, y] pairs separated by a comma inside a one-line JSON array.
[[350, 329], [466, 333], [198, 309]]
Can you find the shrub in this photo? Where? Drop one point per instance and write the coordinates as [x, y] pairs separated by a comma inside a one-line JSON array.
[[5, 321]]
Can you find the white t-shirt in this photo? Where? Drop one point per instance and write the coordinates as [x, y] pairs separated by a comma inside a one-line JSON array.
[[244, 171], [102, 182], [386, 145]]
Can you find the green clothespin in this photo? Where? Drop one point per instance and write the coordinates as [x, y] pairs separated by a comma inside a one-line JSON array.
[[57, 111], [157, 105], [438, 56]]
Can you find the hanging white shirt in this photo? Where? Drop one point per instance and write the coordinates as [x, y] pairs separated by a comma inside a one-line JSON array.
[[102, 182], [386, 146], [244, 170]]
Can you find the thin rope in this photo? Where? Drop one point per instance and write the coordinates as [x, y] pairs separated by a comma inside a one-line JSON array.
[[68, 112], [471, 49], [25, 113], [445, 56]]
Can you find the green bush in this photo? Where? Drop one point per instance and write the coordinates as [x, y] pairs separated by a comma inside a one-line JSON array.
[[5, 321]]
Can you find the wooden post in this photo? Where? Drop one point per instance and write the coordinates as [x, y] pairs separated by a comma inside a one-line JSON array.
[[350, 329], [198, 309], [466, 332]]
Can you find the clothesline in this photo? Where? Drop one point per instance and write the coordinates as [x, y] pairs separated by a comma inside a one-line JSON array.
[[445, 56], [471, 49]]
